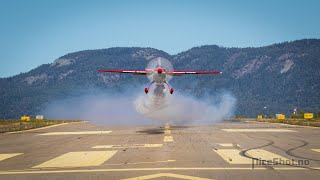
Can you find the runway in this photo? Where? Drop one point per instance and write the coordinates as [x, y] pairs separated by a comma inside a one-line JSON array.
[[227, 150]]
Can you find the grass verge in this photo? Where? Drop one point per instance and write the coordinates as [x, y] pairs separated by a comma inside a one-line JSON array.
[[18, 125], [300, 122]]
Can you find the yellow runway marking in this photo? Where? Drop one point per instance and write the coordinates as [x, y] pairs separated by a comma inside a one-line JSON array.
[[7, 156], [167, 126], [129, 146], [232, 156], [227, 144], [317, 150], [154, 169], [259, 130], [75, 133], [179, 176], [150, 162], [78, 159], [168, 139]]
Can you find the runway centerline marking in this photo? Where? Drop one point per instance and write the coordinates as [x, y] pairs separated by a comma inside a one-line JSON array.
[[167, 131], [153, 169], [128, 146], [74, 133], [258, 130], [78, 159], [168, 139], [7, 156]]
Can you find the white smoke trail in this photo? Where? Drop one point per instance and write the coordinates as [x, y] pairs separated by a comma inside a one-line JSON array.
[[182, 109], [136, 108]]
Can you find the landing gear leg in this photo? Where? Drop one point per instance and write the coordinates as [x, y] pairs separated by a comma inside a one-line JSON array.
[[170, 88], [146, 90]]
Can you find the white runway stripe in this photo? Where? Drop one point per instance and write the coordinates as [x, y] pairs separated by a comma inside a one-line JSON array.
[[78, 159], [74, 133], [129, 146], [258, 130]]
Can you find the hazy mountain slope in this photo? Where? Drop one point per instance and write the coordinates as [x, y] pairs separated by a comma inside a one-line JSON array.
[[279, 76]]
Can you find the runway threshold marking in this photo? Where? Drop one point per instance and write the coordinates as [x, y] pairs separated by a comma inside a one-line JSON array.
[[128, 146], [317, 150], [258, 130], [78, 159], [7, 156], [158, 175], [232, 156], [153, 169], [168, 139], [74, 133], [266, 155]]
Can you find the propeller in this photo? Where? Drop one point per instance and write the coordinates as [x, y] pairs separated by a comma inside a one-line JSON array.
[[159, 62]]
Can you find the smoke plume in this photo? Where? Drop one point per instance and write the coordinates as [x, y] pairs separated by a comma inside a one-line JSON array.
[[137, 108], [185, 109]]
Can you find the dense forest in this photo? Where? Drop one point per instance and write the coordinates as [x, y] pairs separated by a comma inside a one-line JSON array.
[[279, 77]]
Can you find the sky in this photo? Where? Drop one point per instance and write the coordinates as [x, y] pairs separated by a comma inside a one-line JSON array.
[[36, 32]]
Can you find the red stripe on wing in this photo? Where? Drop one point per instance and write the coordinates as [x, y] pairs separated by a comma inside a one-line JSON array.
[[180, 73], [126, 71]]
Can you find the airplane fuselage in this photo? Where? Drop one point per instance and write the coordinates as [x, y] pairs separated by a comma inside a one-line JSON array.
[[159, 78]]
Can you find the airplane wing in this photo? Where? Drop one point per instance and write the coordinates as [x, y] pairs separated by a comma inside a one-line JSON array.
[[135, 72], [180, 73]]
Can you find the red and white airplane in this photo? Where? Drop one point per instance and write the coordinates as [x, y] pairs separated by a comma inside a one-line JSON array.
[[160, 74]]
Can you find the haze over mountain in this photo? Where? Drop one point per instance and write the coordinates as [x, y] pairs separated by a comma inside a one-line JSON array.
[[278, 77]]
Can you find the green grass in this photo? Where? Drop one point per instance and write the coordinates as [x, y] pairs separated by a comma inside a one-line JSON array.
[[18, 125], [300, 122]]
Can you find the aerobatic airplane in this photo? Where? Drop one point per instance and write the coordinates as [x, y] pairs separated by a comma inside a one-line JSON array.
[[160, 71]]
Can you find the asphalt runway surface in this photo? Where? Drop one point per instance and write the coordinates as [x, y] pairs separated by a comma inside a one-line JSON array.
[[227, 150]]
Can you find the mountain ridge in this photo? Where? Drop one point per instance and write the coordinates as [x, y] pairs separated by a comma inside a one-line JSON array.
[[280, 76]]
